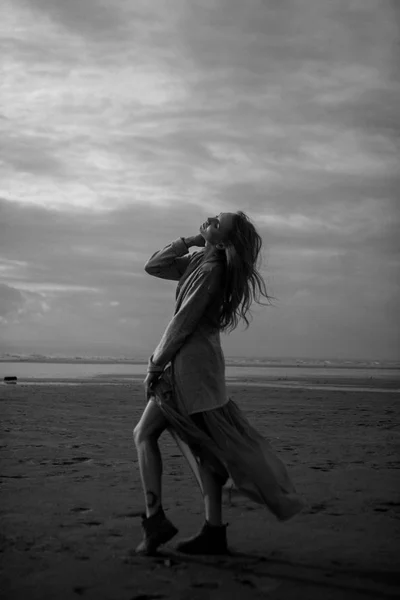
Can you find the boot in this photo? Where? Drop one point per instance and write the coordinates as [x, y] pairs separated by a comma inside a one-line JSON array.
[[157, 530], [210, 540]]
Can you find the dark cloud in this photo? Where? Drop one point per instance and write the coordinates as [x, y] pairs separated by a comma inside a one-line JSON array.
[[285, 109], [10, 300], [108, 30], [104, 250], [38, 55], [35, 154], [373, 112], [324, 196], [90, 18], [309, 62], [276, 37], [322, 273]]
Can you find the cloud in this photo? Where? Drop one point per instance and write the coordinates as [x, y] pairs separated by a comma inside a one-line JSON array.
[[144, 116], [125, 124], [10, 300], [30, 154], [90, 18], [21, 306]]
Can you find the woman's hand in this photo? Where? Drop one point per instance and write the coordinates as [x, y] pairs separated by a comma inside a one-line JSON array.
[[195, 240], [151, 379]]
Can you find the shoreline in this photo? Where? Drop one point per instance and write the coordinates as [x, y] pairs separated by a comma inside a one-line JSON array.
[[391, 365], [305, 383]]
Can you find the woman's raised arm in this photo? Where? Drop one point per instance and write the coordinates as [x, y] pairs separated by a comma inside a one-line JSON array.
[[171, 262]]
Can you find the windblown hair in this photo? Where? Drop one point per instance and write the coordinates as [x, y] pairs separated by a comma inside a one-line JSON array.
[[243, 283]]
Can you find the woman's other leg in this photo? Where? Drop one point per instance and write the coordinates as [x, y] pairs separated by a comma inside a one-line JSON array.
[[212, 494], [211, 539], [211, 482], [146, 434]]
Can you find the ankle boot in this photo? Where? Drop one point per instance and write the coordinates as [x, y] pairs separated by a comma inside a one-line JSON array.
[[157, 530], [210, 540]]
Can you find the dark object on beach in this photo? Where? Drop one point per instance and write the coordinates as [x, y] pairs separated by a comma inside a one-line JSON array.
[[10, 380]]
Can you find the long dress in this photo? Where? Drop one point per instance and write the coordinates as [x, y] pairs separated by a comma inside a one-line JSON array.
[[208, 426]]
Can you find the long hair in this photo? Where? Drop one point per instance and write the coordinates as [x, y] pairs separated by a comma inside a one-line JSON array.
[[243, 283]]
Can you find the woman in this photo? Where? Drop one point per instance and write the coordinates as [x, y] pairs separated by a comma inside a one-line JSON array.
[[185, 386]]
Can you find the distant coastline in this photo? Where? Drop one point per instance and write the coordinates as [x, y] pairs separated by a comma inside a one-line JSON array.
[[230, 361]]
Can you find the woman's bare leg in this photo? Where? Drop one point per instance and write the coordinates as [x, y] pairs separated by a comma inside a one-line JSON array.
[[212, 496], [150, 466], [146, 434]]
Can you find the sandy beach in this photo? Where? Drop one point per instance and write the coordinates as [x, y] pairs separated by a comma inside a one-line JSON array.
[[71, 498]]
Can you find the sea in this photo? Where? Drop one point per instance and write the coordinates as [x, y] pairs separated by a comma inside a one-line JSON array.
[[286, 372]]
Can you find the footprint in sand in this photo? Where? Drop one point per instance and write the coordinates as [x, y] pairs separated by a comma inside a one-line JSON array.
[[129, 515], [386, 506], [81, 509], [73, 461], [147, 597], [208, 585], [246, 582], [316, 508], [80, 590], [320, 468]]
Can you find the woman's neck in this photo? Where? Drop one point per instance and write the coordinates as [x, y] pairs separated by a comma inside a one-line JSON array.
[[212, 251]]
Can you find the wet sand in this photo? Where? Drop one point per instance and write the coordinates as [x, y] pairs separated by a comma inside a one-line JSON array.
[[71, 498]]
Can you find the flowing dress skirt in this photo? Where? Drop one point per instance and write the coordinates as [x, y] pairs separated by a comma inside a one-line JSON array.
[[223, 440]]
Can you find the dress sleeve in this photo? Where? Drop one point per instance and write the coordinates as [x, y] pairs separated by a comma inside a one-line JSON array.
[[170, 262], [185, 320]]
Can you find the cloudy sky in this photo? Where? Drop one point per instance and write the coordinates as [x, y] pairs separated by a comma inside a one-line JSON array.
[[125, 123]]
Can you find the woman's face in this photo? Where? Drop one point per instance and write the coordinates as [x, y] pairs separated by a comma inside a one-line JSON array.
[[217, 229]]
